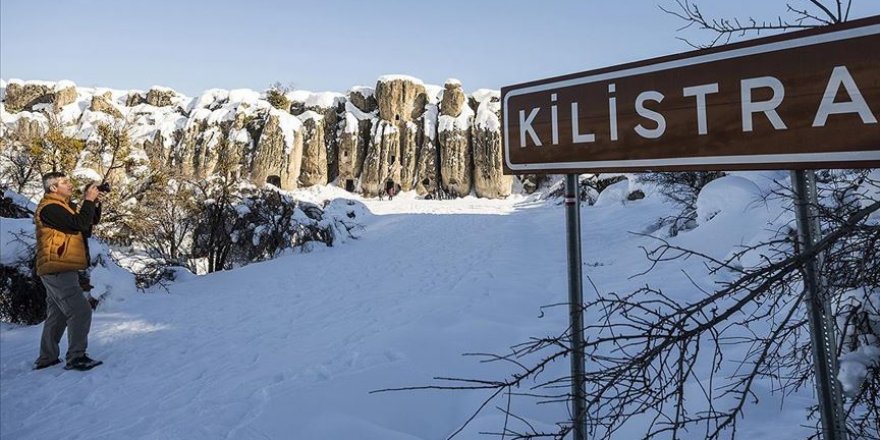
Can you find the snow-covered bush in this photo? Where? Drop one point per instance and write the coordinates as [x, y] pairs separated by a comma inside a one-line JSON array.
[[859, 318], [269, 222], [22, 295], [851, 271], [13, 205], [682, 188], [276, 95], [239, 225], [590, 186]]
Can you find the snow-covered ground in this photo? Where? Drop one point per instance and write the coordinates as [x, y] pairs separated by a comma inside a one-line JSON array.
[[291, 348]]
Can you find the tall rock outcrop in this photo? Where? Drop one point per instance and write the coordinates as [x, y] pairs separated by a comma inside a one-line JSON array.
[[401, 103], [26, 95], [103, 103], [22, 96], [427, 171], [27, 126], [193, 140], [160, 96], [489, 179], [64, 94], [134, 97], [410, 140], [279, 151], [314, 158], [400, 98], [364, 98], [454, 134], [328, 105], [355, 133], [381, 167]]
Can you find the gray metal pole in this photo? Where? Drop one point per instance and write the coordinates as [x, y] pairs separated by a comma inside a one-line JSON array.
[[575, 305], [822, 326]]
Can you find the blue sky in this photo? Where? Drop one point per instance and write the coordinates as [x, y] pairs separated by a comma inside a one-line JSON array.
[[332, 45]]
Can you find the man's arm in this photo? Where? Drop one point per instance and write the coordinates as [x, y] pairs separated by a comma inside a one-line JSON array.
[[57, 217], [97, 218]]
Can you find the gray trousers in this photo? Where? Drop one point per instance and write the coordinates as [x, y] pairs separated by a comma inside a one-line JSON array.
[[66, 307]]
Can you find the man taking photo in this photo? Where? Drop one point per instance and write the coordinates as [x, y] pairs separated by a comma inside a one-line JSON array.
[[62, 251]]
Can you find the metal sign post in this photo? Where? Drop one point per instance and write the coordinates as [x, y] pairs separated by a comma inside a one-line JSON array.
[[822, 326], [575, 305]]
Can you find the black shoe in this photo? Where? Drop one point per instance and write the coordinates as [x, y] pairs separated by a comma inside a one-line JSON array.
[[82, 363], [40, 366]]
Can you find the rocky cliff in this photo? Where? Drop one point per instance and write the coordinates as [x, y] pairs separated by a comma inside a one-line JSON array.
[[401, 133]]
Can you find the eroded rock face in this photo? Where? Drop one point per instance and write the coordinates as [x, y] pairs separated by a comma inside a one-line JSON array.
[[160, 97], [453, 99], [240, 145], [456, 167], [456, 152], [63, 96], [134, 98], [401, 105], [314, 158], [400, 99], [381, 164], [205, 155], [354, 137], [155, 151], [193, 137], [489, 179], [363, 98], [428, 167], [27, 128], [427, 181], [454, 140], [279, 151], [101, 103], [328, 106], [24, 96], [410, 140], [330, 123]]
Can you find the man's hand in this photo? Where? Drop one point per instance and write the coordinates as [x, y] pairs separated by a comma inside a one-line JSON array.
[[92, 193]]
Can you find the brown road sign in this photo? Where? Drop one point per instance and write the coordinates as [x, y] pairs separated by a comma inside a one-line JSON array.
[[808, 99]]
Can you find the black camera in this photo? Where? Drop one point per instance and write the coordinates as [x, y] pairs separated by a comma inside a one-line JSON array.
[[104, 187]]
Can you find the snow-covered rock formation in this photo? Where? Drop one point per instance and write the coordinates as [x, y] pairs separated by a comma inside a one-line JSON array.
[[401, 133]]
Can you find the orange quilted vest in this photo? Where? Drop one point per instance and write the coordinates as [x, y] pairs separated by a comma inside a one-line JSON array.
[[58, 251]]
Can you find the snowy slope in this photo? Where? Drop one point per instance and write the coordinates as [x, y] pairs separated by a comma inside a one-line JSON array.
[[291, 348]]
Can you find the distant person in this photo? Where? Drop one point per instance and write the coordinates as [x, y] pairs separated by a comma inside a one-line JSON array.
[[62, 252], [389, 190]]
